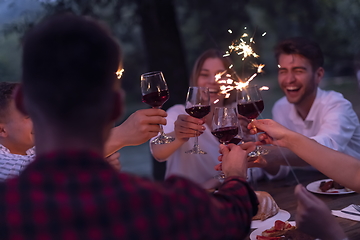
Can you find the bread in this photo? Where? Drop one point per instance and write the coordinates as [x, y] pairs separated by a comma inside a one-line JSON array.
[[267, 206]]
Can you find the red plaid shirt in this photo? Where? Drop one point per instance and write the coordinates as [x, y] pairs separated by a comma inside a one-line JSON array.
[[77, 195]]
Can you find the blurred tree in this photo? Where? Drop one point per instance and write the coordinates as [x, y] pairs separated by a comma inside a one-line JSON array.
[[333, 24], [163, 44], [168, 35]]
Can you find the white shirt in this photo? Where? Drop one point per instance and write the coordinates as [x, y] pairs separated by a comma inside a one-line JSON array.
[[196, 167], [12, 164], [331, 121]]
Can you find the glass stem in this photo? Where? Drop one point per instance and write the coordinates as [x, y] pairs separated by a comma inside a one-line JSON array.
[[160, 125], [161, 130], [196, 143], [255, 135]]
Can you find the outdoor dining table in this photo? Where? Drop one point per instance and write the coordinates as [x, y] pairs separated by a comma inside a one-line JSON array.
[[283, 193]]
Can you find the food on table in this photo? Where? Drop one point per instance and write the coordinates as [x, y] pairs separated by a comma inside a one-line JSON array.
[[283, 231], [267, 206], [325, 186]]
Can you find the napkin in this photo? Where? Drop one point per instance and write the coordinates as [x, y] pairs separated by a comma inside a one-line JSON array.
[[349, 208]]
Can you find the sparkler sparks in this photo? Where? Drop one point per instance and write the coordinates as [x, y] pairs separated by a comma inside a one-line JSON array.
[[119, 73], [244, 48], [241, 47]]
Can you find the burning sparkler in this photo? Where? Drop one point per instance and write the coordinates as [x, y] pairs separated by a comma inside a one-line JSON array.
[[119, 73], [244, 48]]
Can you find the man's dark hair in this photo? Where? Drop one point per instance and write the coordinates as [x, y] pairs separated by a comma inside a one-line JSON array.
[[302, 46], [6, 95], [69, 67]]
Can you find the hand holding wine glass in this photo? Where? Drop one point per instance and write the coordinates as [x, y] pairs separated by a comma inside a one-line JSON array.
[[225, 124], [155, 93], [198, 106], [225, 127], [250, 104]]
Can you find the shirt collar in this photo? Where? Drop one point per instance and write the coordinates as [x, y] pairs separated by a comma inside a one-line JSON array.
[[312, 113], [29, 152]]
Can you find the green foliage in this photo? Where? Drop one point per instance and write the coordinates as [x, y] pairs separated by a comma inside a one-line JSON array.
[[9, 58], [204, 24]]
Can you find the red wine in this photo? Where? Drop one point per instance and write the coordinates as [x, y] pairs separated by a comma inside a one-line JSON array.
[[225, 134], [156, 99], [251, 110], [235, 140], [198, 111]]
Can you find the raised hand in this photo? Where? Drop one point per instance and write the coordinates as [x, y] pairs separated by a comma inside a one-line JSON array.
[[275, 133], [257, 161], [233, 160], [314, 217], [187, 127], [113, 160], [138, 128]]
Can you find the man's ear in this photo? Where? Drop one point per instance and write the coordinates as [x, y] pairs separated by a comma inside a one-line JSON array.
[[3, 132], [319, 74], [19, 100]]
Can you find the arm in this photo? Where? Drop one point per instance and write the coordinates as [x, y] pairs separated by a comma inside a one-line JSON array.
[[113, 160], [228, 215], [138, 128], [279, 156], [336, 165], [225, 214], [338, 123], [314, 217], [180, 207], [184, 128]]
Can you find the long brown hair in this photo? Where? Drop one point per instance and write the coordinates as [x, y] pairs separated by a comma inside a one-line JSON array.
[[210, 53], [213, 53]]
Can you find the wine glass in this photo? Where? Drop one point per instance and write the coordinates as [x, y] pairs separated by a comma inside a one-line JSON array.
[[155, 93], [250, 104], [225, 127], [198, 106]]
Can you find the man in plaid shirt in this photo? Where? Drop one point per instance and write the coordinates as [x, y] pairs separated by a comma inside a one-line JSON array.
[[68, 192]]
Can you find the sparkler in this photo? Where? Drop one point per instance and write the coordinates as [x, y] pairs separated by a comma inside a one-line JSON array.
[[119, 73], [243, 48], [227, 83]]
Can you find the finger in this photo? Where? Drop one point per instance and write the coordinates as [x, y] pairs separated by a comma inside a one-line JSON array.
[[154, 120], [218, 167], [189, 124], [188, 131], [188, 118], [152, 128], [303, 196], [248, 146], [231, 146], [153, 112], [116, 155], [224, 149]]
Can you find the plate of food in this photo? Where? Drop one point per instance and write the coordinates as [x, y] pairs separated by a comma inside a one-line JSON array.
[[279, 230], [268, 211], [328, 187]]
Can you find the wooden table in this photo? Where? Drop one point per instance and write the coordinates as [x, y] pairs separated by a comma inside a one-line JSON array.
[[283, 193]]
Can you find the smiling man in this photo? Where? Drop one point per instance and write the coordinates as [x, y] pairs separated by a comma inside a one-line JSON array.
[[324, 116]]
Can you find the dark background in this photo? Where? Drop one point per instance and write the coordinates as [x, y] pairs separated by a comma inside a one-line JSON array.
[[168, 35]]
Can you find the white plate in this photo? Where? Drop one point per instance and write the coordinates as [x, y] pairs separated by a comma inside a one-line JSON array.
[[314, 188], [260, 230], [281, 215]]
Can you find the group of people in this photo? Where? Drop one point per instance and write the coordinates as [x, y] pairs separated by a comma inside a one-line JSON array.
[[73, 189], [326, 117]]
